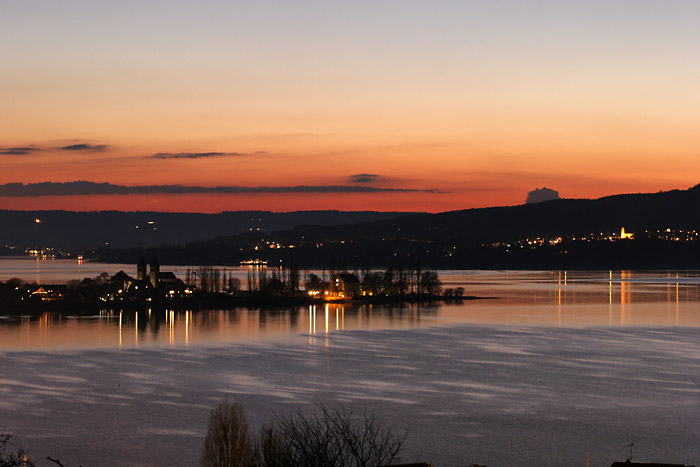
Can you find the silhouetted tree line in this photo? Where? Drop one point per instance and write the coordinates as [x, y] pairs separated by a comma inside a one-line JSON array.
[[402, 282], [394, 281], [211, 279], [275, 281]]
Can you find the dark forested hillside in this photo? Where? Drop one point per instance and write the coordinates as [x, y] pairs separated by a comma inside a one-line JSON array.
[[76, 230], [480, 238]]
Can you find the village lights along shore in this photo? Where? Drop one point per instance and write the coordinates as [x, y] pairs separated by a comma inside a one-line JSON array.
[[209, 286]]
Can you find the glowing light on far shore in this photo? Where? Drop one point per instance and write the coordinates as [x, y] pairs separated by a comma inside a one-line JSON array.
[[37, 220]]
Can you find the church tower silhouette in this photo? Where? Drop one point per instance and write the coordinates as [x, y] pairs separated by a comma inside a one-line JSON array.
[[155, 272], [141, 270]]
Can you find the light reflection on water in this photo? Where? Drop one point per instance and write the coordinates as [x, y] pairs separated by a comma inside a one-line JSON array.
[[542, 298], [186, 327]]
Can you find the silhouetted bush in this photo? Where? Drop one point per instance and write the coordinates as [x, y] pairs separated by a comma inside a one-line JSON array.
[[324, 438], [329, 438], [228, 442], [11, 455]]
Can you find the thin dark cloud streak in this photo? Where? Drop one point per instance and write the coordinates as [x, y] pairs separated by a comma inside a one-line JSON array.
[[195, 155], [84, 188], [364, 178], [89, 147], [84, 147], [78, 147], [18, 151]]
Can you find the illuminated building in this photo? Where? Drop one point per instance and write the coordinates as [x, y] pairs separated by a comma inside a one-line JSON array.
[[345, 285], [122, 286]]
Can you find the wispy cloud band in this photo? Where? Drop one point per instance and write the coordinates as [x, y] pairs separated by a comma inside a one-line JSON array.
[[364, 178], [17, 190], [17, 151], [92, 148], [84, 147], [195, 155], [77, 147]]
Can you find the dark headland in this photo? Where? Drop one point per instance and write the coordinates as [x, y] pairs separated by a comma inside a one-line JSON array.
[[660, 232]]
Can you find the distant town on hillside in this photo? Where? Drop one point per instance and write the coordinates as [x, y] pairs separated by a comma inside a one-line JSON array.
[[658, 230]]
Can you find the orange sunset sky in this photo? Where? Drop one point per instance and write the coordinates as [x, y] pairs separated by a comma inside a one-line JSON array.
[[431, 106]]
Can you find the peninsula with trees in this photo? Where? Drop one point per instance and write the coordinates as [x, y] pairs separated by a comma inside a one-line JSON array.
[[208, 286]]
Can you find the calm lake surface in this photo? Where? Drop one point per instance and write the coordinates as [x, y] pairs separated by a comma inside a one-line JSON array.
[[556, 366]]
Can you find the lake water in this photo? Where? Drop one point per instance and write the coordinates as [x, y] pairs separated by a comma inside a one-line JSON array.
[[556, 366]]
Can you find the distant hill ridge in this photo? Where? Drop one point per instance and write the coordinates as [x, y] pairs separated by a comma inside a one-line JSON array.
[[120, 229], [669, 209], [460, 239], [126, 230]]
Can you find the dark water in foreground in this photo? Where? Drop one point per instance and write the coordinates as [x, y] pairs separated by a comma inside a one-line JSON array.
[[495, 395], [560, 366]]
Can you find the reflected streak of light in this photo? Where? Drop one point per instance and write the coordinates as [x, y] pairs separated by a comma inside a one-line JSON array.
[[326, 340], [187, 328], [337, 319], [171, 327], [677, 304], [120, 329], [559, 299], [136, 329], [312, 319], [610, 294], [312, 323], [624, 296]]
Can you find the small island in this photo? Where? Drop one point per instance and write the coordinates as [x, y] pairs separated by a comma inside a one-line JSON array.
[[209, 287]]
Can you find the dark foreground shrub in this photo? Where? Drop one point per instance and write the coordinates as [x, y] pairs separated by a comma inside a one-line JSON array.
[[323, 438], [228, 442]]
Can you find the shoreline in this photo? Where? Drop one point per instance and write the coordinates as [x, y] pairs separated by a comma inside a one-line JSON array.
[[219, 301]]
